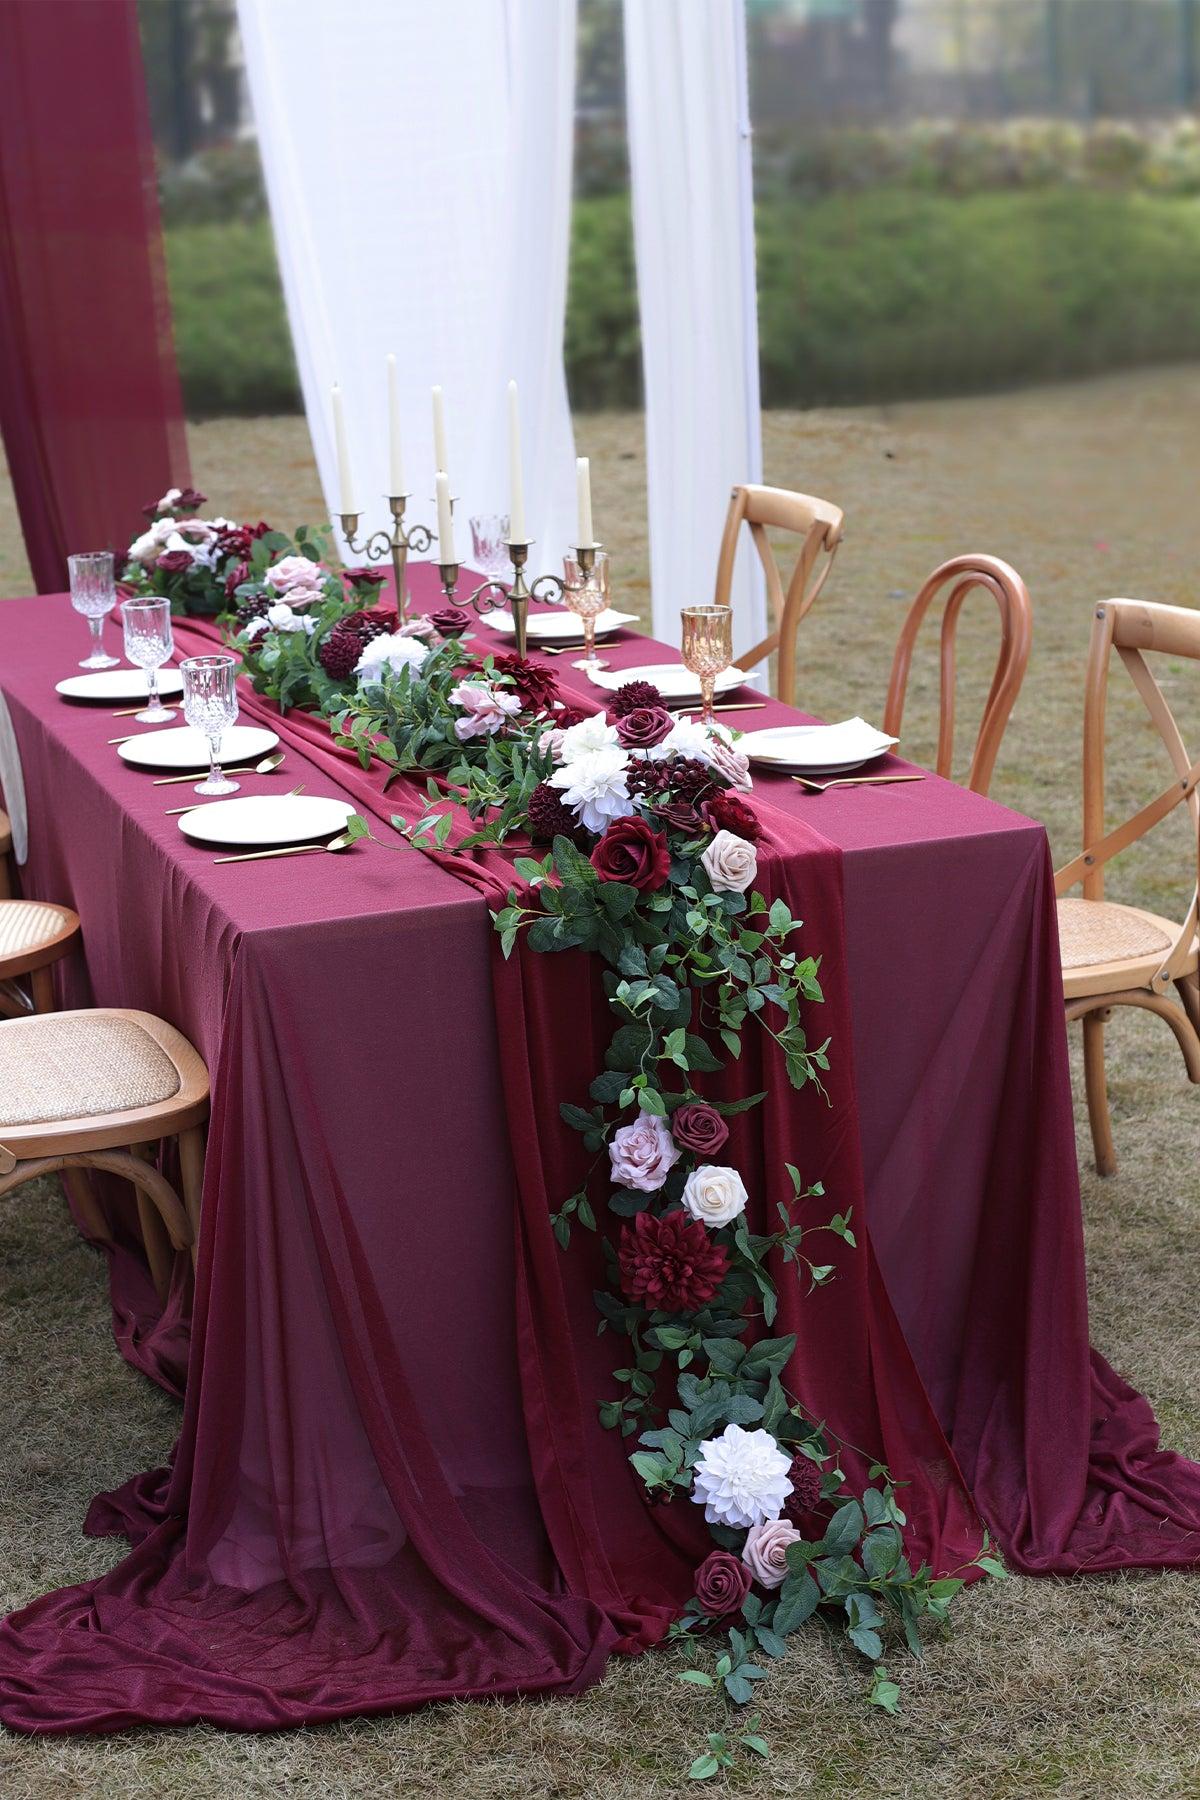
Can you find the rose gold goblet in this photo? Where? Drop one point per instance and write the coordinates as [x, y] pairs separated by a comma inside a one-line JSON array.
[[586, 595], [707, 649]]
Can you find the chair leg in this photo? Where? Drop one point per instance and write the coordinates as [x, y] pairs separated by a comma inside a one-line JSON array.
[[87, 1207], [155, 1240], [191, 1177], [1188, 988], [42, 982], [1096, 1084]]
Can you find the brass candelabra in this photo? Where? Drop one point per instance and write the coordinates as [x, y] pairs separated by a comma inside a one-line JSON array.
[[520, 593], [395, 543]]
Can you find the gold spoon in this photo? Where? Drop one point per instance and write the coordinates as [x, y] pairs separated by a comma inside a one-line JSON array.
[[267, 766], [173, 812], [342, 842]]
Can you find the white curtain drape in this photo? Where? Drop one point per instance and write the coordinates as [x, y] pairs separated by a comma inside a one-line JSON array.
[[418, 168], [689, 148]]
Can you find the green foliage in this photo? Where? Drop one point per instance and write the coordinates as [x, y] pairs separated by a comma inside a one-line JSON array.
[[870, 296]]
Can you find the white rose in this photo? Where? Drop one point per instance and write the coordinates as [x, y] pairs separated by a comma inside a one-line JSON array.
[[730, 863], [714, 1195]]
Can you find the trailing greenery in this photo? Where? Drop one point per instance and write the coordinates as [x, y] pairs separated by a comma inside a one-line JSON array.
[[878, 295]]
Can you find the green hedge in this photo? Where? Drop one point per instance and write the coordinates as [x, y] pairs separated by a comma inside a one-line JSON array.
[[881, 295]]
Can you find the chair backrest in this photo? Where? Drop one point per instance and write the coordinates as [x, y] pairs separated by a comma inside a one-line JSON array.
[[961, 575], [1132, 627], [818, 524]]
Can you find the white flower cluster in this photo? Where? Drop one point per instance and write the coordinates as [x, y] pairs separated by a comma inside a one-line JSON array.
[[197, 536], [593, 771], [392, 651], [741, 1477]]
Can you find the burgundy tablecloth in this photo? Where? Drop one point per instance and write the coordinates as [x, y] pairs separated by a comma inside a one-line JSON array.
[[353, 1522]]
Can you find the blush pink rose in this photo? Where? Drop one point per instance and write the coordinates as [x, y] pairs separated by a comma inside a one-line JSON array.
[[485, 709], [765, 1551], [642, 1154]]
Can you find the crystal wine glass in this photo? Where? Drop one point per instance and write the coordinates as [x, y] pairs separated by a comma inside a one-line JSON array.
[[489, 543], [94, 594], [148, 645], [587, 596], [707, 649], [210, 704]]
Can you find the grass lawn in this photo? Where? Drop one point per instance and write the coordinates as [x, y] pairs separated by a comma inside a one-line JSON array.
[[1084, 1689]]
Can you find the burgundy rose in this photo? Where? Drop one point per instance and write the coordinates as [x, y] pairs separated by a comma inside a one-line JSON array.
[[566, 716], [536, 686], [365, 578], [678, 815], [174, 562], [805, 1478], [630, 696], [633, 852], [729, 812], [240, 572], [670, 1264], [644, 727], [722, 1583], [189, 501], [451, 622], [698, 1126]]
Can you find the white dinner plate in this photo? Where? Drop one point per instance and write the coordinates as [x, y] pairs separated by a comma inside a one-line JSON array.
[[813, 749], [118, 684], [559, 627], [672, 680], [184, 748], [266, 819]]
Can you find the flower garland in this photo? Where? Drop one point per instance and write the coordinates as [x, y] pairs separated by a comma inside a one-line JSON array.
[[651, 865]]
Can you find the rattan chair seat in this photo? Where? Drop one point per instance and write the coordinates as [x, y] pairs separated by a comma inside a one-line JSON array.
[[77, 1066], [27, 925], [1100, 931]]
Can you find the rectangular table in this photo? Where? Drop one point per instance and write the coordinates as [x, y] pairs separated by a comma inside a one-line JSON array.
[[359, 1187]]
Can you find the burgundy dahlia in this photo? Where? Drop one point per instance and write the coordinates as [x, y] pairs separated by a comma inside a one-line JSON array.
[[340, 652], [699, 1127], [806, 1490], [644, 727], [722, 1583], [233, 540], [729, 812], [670, 1264], [549, 816], [536, 686], [630, 696]]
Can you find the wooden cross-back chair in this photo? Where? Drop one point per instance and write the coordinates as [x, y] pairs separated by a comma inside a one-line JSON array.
[[961, 576], [97, 1090], [818, 524], [1122, 955]]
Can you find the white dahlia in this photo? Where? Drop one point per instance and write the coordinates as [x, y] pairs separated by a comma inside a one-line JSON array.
[[596, 787], [741, 1477]]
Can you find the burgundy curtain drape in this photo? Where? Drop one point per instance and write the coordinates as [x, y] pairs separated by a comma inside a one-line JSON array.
[[90, 403]]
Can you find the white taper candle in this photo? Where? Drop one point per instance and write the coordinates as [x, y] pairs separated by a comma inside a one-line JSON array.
[[395, 453], [583, 482], [445, 518], [342, 446], [440, 458], [516, 480]]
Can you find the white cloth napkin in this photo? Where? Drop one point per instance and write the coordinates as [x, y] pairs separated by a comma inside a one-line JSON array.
[[12, 784]]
